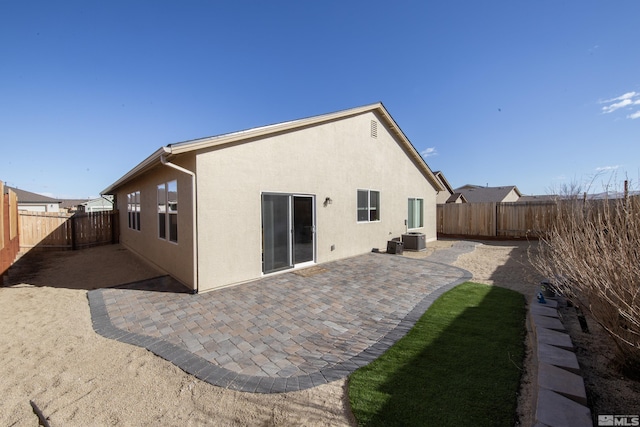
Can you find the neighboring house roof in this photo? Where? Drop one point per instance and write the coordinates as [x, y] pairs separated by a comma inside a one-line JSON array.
[[29, 197], [455, 197], [479, 194], [440, 176], [263, 131], [538, 198], [100, 202], [71, 203]]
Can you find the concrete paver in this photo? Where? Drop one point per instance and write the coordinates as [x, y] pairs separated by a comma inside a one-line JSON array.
[[285, 332], [563, 382], [554, 409]]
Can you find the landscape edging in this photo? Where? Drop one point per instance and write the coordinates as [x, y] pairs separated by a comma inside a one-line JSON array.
[[559, 393]]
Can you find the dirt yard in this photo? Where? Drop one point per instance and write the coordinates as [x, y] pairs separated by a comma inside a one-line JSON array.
[[53, 358]]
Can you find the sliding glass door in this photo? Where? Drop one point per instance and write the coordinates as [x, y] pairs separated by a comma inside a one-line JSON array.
[[288, 231], [303, 229]]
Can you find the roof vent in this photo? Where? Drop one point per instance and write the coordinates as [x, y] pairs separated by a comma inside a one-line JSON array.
[[374, 129]]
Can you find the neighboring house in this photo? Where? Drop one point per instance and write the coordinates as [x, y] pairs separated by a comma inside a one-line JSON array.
[[100, 204], [456, 198], [479, 194], [28, 201], [71, 205], [448, 195], [232, 208]]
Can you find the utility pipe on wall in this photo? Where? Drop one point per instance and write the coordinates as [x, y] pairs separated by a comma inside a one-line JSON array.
[[164, 161]]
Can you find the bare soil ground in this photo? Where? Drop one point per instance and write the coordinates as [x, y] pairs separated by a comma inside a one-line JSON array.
[[608, 391], [52, 357]]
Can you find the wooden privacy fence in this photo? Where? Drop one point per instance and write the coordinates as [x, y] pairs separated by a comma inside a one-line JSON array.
[[498, 220], [57, 230], [9, 237]]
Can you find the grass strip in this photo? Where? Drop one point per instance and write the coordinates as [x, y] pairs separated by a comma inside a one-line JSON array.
[[459, 365]]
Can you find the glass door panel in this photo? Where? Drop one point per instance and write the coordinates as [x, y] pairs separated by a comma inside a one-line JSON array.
[[276, 233], [303, 230]]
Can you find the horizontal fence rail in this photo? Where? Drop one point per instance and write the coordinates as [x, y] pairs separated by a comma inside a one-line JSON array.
[[57, 230]]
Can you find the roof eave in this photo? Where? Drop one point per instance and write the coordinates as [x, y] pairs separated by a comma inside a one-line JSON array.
[[146, 164], [199, 144], [261, 131], [391, 123]]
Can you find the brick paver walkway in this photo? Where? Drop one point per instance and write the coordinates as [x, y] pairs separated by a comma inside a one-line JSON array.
[[285, 332]]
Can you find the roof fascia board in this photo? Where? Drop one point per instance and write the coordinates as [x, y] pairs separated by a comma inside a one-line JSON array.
[[146, 164], [422, 164], [199, 144], [444, 181], [214, 141]]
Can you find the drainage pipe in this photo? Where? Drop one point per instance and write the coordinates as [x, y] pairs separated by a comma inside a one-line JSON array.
[[194, 213]]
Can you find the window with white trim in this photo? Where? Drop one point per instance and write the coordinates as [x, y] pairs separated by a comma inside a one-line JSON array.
[[168, 211], [415, 216], [133, 210], [368, 205]]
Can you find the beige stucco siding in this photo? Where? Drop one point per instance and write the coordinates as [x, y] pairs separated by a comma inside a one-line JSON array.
[[332, 160], [173, 258], [511, 197], [442, 197]]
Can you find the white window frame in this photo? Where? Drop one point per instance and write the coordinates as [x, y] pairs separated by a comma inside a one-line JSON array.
[[133, 210], [413, 210], [369, 208]]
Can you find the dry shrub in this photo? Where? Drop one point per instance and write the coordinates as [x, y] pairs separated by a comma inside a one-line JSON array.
[[592, 255]]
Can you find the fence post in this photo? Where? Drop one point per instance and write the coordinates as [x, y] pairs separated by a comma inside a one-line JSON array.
[[113, 217], [73, 232]]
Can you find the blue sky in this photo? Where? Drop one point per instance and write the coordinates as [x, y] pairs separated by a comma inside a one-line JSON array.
[[536, 94]]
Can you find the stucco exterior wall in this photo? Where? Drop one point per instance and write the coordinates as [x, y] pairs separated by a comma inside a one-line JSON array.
[[442, 197], [173, 258], [332, 160], [511, 197], [39, 207]]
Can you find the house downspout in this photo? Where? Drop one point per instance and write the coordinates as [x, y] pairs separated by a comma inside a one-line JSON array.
[[164, 161]]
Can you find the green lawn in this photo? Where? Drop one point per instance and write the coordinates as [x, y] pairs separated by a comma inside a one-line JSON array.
[[459, 365]]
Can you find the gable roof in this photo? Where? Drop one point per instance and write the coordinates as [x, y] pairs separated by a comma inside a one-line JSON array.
[[29, 197], [453, 198], [479, 194], [440, 176], [99, 201], [72, 203], [263, 131]]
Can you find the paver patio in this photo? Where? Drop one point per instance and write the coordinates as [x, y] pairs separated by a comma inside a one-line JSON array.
[[285, 332]]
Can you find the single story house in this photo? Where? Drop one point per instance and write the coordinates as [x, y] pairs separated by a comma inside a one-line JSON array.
[[232, 208], [448, 195], [480, 194], [33, 202], [100, 204]]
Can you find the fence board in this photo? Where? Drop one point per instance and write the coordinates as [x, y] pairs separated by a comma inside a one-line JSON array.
[[513, 220], [496, 220], [469, 219], [46, 230], [59, 231], [92, 228], [9, 238], [524, 219]]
